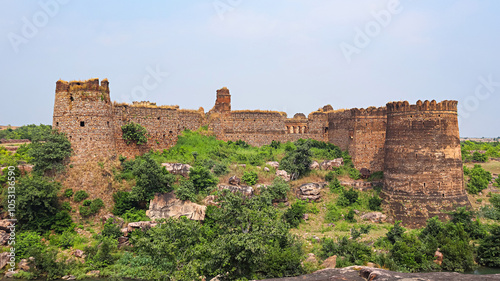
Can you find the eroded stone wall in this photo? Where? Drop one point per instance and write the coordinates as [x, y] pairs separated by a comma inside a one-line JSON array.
[[423, 164]]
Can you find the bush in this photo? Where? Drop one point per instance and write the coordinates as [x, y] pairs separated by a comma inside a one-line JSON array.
[[80, 195], [374, 203], [354, 174], [134, 132], [111, 230], [62, 222], [335, 186], [68, 193], [36, 202], [294, 215], [478, 179], [150, 178], [220, 169], [408, 252], [85, 211], [376, 176], [66, 240], [91, 207], [350, 216], [87, 202], [134, 215], [49, 153], [250, 178], [99, 255], [479, 157], [122, 203], [96, 205], [488, 252], [202, 178], [352, 251], [348, 198], [297, 162], [65, 206], [330, 176], [395, 233], [333, 214], [279, 188], [26, 242], [186, 191]]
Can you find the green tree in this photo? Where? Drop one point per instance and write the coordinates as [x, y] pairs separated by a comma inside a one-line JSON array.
[[202, 178], [48, 154], [250, 178], [37, 203], [297, 162], [488, 252], [134, 132], [478, 179], [150, 178]]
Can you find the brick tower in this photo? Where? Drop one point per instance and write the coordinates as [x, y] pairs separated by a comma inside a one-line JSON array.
[[423, 163], [83, 110], [223, 101]]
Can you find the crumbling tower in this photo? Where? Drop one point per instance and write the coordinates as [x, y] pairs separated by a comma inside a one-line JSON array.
[[223, 101], [423, 163], [83, 111]]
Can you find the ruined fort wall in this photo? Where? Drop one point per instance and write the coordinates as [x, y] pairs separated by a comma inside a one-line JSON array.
[[163, 126], [82, 110], [423, 165]]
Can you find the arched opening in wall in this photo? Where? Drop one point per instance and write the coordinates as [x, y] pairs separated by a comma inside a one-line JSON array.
[[108, 123], [82, 124], [170, 132], [57, 123], [70, 137], [71, 98], [424, 184], [326, 130], [158, 118]]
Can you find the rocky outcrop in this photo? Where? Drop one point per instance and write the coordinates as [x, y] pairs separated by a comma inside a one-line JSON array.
[[330, 164], [363, 273], [234, 180], [283, 174], [375, 217], [246, 190], [330, 262], [274, 164], [314, 165], [116, 220], [365, 173], [177, 168], [4, 258], [168, 206], [439, 257], [309, 191]]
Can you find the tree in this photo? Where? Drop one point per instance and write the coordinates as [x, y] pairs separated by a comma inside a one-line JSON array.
[[202, 178], [478, 179], [48, 154], [37, 203], [134, 132], [150, 178], [488, 252], [297, 162]]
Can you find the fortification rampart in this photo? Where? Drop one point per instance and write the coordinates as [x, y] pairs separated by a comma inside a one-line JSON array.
[[417, 146]]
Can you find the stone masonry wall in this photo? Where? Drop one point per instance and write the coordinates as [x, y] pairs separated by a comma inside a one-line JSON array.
[[423, 164]]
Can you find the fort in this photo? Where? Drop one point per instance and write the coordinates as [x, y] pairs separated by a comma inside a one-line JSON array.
[[416, 146]]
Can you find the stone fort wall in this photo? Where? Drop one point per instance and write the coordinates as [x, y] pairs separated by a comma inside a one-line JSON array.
[[417, 146]]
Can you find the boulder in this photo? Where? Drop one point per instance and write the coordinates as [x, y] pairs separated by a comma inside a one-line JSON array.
[[4, 238], [210, 200], [68, 277], [365, 173], [314, 165], [311, 258], [266, 169], [4, 258], [10, 274], [78, 253], [4, 225], [116, 220], [139, 225], [330, 262], [166, 205], [283, 174], [309, 191], [439, 257], [123, 241], [330, 164], [23, 265], [177, 168], [375, 217], [93, 273], [234, 180], [274, 164], [246, 190]]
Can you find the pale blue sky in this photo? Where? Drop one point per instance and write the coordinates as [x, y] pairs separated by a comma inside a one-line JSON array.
[[282, 54]]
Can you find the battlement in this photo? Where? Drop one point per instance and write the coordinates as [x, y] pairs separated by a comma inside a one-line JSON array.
[[370, 111], [78, 85], [404, 106]]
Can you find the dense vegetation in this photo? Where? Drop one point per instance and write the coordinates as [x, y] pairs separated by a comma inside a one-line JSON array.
[[243, 237]]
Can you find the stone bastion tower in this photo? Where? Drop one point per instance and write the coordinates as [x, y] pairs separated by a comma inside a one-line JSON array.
[[423, 164], [83, 110]]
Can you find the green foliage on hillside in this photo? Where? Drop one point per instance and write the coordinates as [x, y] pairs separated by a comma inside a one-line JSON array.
[[470, 150], [49, 153], [134, 132], [478, 179], [30, 132]]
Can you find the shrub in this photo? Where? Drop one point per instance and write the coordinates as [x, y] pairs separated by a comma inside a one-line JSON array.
[[66, 240], [150, 178], [62, 222], [408, 252], [26, 242], [495, 201], [488, 252], [202, 178], [111, 230], [297, 162], [186, 191], [335, 186], [91, 207], [68, 193], [478, 179], [122, 203], [65, 206], [49, 153], [279, 188], [354, 174], [376, 176], [87, 202], [85, 211], [99, 255], [294, 215], [134, 215], [395, 233], [348, 198], [479, 157], [350, 216], [36, 202], [220, 169], [134, 132], [355, 234], [352, 251], [250, 178], [96, 205], [374, 203], [333, 213], [329, 176], [80, 195]]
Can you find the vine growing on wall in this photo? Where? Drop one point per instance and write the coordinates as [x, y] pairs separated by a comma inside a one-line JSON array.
[[134, 132]]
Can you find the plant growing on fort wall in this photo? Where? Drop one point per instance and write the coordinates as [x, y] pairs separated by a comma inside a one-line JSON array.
[[49, 153], [134, 132]]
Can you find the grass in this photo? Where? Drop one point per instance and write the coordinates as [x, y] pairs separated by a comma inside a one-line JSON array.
[[490, 166]]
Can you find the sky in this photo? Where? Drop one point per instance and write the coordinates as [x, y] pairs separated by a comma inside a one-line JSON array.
[[287, 55]]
